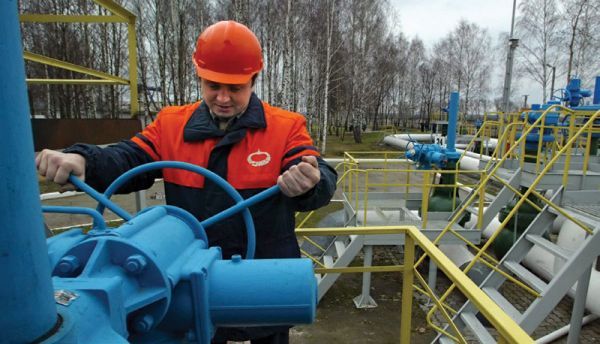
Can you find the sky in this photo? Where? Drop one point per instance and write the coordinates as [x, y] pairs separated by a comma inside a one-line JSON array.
[[432, 20]]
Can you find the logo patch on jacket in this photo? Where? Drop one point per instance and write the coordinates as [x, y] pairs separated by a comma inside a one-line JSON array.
[[259, 158]]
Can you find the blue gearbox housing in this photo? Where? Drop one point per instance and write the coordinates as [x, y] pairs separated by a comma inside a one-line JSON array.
[[153, 279], [428, 155], [551, 120], [574, 94]]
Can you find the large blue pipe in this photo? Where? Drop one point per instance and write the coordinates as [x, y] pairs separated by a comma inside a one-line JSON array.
[[26, 292], [452, 119], [597, 91]]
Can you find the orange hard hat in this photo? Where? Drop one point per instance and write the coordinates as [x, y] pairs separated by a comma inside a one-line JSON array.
[[227, 52]]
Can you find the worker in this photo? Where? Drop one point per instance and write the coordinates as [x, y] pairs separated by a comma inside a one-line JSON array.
[[232, 133]]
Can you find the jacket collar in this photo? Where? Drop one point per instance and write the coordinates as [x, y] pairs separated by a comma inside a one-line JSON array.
[[201, 126]]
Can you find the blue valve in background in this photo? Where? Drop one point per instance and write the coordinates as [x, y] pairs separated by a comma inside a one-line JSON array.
[[428, 155]]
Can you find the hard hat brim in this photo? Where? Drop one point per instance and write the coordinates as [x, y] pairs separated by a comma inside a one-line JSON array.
[[223, 78]]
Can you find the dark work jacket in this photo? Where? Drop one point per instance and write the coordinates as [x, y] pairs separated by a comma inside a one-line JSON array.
[[255, 149]]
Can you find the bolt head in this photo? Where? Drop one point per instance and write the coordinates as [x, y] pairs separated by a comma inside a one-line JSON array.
[[135, 264], [68, 264], [144, 323], [236, 258]]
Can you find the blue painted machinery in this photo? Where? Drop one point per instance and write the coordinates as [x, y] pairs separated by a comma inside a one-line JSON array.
[[533, 138], [443, 197], [153, 279], [428, 155], [572, 96]]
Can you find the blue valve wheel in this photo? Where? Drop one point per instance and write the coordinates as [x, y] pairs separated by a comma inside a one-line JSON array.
[[104, 200]]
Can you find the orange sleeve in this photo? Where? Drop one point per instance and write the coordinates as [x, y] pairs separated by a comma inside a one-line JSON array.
[[299, 143], [149, 138]]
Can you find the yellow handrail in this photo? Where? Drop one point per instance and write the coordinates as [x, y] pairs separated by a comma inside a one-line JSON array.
[[506, 327], [118, 15], [468, 202], [530, 190]]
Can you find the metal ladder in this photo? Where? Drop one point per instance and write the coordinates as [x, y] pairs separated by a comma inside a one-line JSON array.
[[339, 254], [577, 265], [503, 197]]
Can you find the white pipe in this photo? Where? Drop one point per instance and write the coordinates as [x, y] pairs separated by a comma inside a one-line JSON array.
[[335, 161], [571, 237], [491, 228], [557, 224], [478, 156], [415, 137], [541, 262], [405, 141], [549, 338], [56, 195], [470, 161], [491, 143], [459, 254], [545, 265]]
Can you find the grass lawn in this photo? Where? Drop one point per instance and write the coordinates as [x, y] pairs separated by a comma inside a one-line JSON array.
[[46, 187], [371, 141]]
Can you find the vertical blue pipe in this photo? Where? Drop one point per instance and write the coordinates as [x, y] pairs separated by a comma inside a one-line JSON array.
[[26, 293], [597, 91], [452, 119]]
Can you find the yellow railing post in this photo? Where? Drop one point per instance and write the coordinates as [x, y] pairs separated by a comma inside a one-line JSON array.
[[481, 203], [133, 75], [366, 197], [385, 167], [565, 179], [408, 179], [356, 192], [118, 15], [539, 147], [587, 150], [425, 199], [407, 289]]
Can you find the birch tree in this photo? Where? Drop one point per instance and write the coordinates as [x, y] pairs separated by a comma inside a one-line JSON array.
[[538, 27]]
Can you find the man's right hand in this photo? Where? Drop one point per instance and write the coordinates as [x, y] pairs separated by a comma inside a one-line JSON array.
[[57, 166]]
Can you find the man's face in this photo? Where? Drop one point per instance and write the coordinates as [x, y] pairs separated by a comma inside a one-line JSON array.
[[226, 100]]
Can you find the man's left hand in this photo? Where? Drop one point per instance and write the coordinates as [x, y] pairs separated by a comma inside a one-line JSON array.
[[299, 179]]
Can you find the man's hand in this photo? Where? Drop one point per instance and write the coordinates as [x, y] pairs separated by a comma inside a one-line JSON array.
[[300, 178], [57, 166]]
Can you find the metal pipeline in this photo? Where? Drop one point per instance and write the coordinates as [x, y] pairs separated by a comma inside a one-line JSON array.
[[452, 119], [551, 337], [597, 91], [470, 161], [27, 297]]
